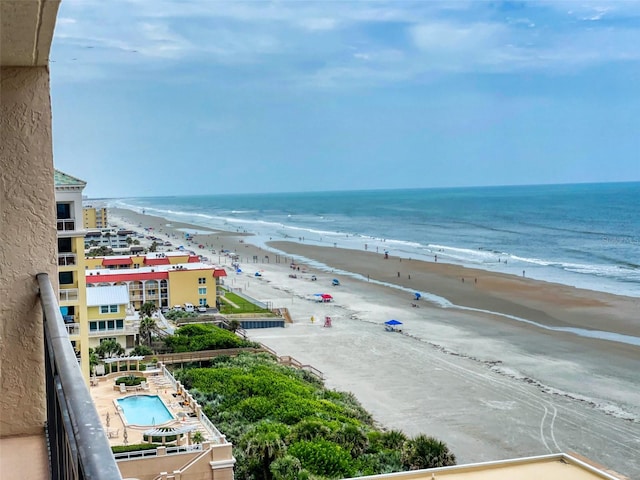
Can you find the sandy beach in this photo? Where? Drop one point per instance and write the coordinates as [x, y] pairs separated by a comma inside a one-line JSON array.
[[470, 370]]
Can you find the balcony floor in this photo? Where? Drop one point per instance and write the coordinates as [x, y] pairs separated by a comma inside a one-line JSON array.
[[24, 457]]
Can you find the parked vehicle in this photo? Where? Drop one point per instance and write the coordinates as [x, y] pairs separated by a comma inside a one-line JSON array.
[[202, 309], [188, 307]]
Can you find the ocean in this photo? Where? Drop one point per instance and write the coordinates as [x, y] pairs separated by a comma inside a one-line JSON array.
[[584, 235]]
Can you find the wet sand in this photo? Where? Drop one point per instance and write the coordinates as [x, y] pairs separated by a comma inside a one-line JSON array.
[[488, 385]]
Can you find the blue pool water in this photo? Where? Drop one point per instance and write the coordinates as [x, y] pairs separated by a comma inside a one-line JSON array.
[[144, 410]]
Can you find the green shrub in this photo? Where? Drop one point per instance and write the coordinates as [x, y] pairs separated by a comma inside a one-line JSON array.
[[198, 337], [323, 458], [130, 380], [134, 448]]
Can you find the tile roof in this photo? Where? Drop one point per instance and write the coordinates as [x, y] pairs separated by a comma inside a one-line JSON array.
[[62, 179]]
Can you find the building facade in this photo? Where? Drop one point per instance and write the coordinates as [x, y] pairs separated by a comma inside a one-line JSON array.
[[165, 279], [71, 264], [109, 316], [95, 217]]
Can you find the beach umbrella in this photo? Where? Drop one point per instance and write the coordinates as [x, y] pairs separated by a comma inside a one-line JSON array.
[[418, 295], [326, 296], [393, 322], [108, 419]]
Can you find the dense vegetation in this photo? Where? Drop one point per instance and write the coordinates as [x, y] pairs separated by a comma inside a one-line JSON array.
[[286, 426], [196, 337]]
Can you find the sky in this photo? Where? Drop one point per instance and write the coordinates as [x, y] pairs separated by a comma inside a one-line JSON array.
[[182, 97]]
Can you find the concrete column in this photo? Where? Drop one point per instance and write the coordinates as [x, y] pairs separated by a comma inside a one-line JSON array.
[[28, 246]]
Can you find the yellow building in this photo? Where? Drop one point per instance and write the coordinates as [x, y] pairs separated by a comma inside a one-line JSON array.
[[108, 316], [95, 217], [165, 279], [71, 265]]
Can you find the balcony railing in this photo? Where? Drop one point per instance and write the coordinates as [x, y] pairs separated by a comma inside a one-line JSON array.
[[78, 446], [66, 259], [68, 294], [66, 224], [72, 328]]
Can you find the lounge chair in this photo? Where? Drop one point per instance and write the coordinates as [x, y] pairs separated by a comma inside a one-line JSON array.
[[123, 388], [144, 386], [113, 433]]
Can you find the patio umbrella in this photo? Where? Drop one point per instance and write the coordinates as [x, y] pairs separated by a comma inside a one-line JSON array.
[[108, 419], [125, 436], [393, 322]]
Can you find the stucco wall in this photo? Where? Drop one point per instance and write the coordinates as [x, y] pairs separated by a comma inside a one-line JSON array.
[[27, 243]]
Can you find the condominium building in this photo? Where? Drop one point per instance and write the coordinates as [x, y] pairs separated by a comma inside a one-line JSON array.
[[165, 279], [71, 266], [107, 237], [95, 217]]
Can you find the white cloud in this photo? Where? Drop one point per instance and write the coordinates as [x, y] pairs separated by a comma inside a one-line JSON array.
[[395, 41]]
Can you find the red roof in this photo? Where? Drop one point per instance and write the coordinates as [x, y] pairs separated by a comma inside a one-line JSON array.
[[219, 272], [193, 259], [127, 276], [116, 261], [156, 261]]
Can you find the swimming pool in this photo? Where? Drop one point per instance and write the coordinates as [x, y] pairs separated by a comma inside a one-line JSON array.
[[144, 410]]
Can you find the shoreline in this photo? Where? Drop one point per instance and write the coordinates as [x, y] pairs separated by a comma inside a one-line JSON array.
[[553, 306], [489, 386]]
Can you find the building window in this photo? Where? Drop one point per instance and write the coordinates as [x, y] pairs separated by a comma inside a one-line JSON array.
[[203, 302], [64, 245], [202, 280], [151, 292], [65, 278], [202, 291], [63, 211], [109, 308], [106, 325]]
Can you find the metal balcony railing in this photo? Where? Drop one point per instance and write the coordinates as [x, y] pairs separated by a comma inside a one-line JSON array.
[[72, 328], [68, 294], [66, 224], [66, 259], [78, 445]]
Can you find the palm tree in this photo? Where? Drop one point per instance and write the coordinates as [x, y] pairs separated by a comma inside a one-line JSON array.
[[426, 452], [234, 325], [146, 329], [147, 309], [394, 439], [265, 445], [108, 349]]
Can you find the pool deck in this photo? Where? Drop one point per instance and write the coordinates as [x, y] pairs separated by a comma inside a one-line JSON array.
[[104, 396]]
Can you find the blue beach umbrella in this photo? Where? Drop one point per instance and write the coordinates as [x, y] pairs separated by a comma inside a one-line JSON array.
[[418, 295], [393, 322]]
